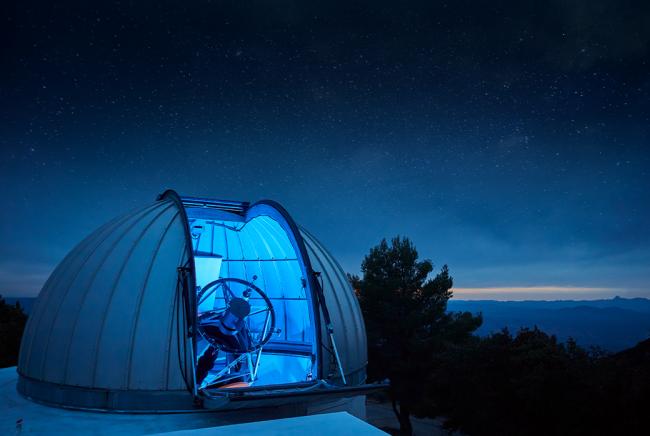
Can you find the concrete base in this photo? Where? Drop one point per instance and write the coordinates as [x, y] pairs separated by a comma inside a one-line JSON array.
[[19, 415], [355, 406], [339, 423]]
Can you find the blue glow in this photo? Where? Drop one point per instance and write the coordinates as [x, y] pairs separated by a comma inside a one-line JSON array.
[[225, 246]]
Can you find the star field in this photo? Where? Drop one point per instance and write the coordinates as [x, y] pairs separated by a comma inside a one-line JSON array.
[[507, 139]]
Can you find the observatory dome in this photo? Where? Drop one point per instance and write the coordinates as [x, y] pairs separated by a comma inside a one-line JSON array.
[[192, 302]]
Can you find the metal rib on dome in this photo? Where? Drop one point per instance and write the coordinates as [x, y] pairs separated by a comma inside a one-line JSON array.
[[105, 318]]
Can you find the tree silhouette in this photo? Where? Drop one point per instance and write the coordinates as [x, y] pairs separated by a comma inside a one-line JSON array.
[[12, 324], [407, 323], [532, 384]]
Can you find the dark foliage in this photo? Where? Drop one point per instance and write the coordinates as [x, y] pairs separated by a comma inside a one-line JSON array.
[[407, 323], [531, 384], [12, 324]]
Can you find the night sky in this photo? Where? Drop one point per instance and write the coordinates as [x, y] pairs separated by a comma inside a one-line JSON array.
[[509, 139]]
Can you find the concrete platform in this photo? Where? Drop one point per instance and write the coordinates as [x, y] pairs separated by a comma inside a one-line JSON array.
[[340, 424], [21, 416]]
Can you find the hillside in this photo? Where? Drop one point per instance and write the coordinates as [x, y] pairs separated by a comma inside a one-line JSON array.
[[613, 324]]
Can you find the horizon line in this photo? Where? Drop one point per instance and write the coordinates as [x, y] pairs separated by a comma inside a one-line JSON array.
[[549, 292]]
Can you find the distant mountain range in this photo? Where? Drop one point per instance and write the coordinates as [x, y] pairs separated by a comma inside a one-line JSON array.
[[613, 324]]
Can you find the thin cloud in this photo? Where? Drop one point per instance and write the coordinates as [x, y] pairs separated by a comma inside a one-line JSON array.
[[19, 279], [535, 292]]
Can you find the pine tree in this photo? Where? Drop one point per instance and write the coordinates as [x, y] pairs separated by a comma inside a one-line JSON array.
[[407, 323]]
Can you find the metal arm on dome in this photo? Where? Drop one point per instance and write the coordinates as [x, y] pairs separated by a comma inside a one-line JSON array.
[[328, 323]]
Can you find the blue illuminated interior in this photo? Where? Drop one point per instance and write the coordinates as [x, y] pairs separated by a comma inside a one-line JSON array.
[[257, 248]]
